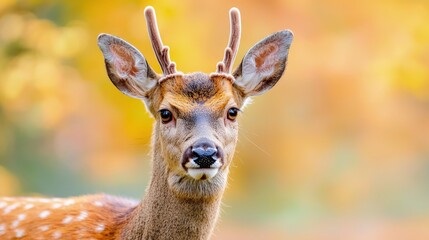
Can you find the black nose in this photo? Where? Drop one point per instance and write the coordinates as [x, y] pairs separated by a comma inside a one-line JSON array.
[[204, 153]]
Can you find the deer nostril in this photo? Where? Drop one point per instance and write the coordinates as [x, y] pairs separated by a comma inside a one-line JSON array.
[[201, 152]]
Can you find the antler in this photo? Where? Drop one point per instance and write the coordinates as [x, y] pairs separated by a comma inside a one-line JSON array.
[[234, 42], [160, 50]]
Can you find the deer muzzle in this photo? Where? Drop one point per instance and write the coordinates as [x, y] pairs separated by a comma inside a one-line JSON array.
[[203, 159]]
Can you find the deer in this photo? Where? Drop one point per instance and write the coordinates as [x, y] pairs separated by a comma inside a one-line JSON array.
[[194, 139]]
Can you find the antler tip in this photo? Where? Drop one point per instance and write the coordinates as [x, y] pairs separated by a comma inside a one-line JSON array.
[[234, 11], [220, 67], [165, 49], [149, 10]]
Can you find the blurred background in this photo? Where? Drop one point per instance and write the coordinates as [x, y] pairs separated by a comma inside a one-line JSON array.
[[339, 149]]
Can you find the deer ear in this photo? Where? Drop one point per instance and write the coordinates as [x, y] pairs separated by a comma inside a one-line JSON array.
[[126, 66], [263, 64]]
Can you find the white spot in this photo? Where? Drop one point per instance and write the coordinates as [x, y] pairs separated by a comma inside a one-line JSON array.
[[7, 210], [28, 206], [98, 203], [56, 205], [68, 219], [19, 233], [2, 229], [15, 224], [10, 208], [99, 228], [44, 214], [3, 204], [69, 202], [44, 200], [21, 216], [82, 216], [56, 234], [44, 228], [56, 199]]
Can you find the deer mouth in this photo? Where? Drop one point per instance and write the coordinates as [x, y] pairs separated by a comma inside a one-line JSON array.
[[202, 173]]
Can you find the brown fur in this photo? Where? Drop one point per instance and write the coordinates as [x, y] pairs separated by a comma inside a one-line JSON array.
[[165, 215]]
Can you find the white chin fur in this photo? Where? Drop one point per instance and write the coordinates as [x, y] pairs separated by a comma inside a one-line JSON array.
[[199, 173]]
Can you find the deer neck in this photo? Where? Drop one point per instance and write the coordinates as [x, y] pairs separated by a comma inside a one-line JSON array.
[[163, 215]]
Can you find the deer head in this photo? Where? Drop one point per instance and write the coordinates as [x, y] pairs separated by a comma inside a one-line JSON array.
[[196, 127]]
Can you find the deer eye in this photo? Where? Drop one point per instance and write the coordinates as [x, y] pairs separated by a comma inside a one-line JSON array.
[[232, 113], [166, 116]]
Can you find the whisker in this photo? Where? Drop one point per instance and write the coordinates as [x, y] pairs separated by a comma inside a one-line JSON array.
[[257, 146]]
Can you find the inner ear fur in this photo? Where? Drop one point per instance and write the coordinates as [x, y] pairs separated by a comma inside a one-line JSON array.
[[264, 64], [126, 67]]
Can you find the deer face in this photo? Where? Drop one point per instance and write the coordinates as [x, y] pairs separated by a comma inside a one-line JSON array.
[[196, 114], [196, 119], [197, 128]]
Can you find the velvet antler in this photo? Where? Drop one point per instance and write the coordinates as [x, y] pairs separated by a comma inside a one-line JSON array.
[[161, 51], [234, 42]]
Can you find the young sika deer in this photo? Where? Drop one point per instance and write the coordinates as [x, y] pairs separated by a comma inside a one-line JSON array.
[[193, 144]]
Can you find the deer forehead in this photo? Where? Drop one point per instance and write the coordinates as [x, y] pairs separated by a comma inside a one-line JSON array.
[[196, 92]]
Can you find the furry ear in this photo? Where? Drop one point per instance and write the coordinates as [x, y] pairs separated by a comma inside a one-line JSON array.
[[126, 66], [263, 64]]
